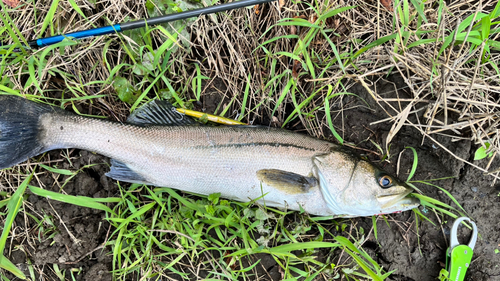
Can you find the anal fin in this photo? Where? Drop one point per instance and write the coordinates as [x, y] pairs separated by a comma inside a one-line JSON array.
[[121, 172]]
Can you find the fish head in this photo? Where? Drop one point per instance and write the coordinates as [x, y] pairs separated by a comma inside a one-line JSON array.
[[354, 187]]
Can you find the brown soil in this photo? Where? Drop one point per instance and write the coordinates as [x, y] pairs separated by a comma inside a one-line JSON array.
[[397, 247]]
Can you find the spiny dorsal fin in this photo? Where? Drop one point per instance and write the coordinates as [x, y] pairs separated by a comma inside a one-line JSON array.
[[159, 113], [121, 172], [288, 182]]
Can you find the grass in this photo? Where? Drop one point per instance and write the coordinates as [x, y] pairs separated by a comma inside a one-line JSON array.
[[293, 66], [15, 202], [218, 235]]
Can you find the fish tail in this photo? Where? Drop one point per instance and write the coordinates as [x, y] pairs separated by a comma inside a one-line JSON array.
[[20, 129]]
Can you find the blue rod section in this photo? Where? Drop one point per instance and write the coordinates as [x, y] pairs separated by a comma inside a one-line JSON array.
[[79, 35], [110, 29]]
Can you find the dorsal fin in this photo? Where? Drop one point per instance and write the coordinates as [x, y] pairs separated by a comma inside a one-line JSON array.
[[159, 113]]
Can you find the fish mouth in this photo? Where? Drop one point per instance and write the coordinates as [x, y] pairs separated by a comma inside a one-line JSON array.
[[400, 202]]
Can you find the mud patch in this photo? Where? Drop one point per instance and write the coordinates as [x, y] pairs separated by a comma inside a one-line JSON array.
[[399, 249], [68, 236]]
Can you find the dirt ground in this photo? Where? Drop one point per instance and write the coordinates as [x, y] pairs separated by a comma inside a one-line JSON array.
[[81, 231], [398, 246]]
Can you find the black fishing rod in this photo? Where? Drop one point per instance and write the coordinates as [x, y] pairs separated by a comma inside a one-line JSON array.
[[117, 28]]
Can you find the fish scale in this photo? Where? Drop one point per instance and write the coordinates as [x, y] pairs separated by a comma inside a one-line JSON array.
[[202, 160], [159, 147]]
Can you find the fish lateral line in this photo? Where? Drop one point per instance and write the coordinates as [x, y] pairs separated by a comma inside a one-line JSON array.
[[250, 144], [155, 147]]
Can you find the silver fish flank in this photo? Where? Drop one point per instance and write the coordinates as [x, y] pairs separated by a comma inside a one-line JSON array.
[[158, 146]]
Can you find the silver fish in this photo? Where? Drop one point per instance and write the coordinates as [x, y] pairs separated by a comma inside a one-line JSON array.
[[158, 146]]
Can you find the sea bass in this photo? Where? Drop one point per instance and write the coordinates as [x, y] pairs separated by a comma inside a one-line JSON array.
[[159, 146]]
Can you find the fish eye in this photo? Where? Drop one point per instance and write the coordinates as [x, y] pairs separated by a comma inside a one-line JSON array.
[[385, 181]]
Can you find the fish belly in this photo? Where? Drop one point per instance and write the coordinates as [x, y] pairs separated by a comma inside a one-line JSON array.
[[198, 159]]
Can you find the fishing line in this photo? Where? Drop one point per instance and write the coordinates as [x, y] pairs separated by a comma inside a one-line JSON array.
[[118, 28]]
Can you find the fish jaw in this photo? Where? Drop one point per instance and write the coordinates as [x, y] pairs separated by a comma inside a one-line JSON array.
[[351, 187], [399, 202], [401, 205]]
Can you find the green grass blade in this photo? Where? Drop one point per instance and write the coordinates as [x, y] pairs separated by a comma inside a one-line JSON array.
[[419, 9], [302, 246], [314, 275], [82, 201], [307, 58], [495, 66], [403, 13], [496, 12], [406, 12], [49, 17], [41, 59], [171, 38], [245, 97], [495, 45], [283, 95], [290, 55], [33, 79], [485, 27], [417, 214], [298, 108], [349, 245], [422, 42], [415, 163], [444, 211], [433, 203], [136, 214], [335, 50], [375, 43], [297, 22], [363, 265], [13, 207], [58, 171], [291, 36], [180, 198], [8, 90], [448, 194], [171, 89], [274, 80], [117, 257], [334, 12], [440, 12], [329, 117], [9, 266], [461, 36], [12, 29], [78, 10], [163, 48], [353, 251], [144, 94], [374, 223]]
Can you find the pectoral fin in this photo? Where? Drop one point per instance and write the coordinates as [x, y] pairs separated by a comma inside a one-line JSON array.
[[288, 182]]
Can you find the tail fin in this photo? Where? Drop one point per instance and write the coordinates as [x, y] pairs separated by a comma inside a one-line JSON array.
[[19, 129]]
